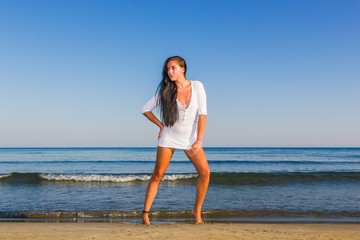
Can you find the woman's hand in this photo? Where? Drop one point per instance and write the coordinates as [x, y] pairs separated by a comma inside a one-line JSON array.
[[160, 133], [195, 148]]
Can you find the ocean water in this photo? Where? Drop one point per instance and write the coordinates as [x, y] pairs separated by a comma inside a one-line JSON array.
[[247, 184]]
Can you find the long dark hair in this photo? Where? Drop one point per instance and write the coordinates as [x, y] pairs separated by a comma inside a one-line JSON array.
[[167, 90]]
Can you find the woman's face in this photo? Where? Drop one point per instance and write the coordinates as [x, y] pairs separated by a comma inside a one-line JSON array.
[[175, 71]]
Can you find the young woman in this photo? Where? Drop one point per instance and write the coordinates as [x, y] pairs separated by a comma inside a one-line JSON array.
[[183, 111]]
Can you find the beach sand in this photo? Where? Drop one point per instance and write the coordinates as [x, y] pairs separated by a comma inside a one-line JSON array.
[[50, 231]]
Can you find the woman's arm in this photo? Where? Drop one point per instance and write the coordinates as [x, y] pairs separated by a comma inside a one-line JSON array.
[[202, 111], [201, 127], [200, 134], [153, 119], [146, 111]]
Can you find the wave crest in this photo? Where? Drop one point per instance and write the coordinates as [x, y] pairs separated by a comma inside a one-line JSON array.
[[222, 178], [112, 178]]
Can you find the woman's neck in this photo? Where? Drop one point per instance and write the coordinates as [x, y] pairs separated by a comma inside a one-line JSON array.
[[182, 83]]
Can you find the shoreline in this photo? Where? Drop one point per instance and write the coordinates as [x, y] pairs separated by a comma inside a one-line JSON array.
[[52, 231], [188, 220], [184, 216]]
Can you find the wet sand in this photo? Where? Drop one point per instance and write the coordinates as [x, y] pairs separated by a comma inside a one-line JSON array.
[[52, 231]]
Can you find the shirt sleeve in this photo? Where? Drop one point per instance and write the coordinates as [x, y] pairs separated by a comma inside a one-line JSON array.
[[151, 104], [202, 109]]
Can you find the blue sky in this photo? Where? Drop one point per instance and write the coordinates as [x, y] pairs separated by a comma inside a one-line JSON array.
[[276, 73]]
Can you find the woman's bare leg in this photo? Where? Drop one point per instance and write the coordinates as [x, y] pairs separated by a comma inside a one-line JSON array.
[[163, 157], [202, 167]]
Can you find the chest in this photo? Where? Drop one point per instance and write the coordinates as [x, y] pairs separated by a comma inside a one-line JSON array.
[[184, 95]]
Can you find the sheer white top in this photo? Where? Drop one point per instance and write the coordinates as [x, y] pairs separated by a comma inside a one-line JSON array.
[[183, 134]]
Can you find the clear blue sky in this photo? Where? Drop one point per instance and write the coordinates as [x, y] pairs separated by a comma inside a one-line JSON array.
[[276, 73]]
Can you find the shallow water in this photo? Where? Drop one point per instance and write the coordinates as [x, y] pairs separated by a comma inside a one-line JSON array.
[[282, 183]]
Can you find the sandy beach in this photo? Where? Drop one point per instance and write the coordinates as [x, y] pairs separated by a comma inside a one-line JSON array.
[[78, 231]]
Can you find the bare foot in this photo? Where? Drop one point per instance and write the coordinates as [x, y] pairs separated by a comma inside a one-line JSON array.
[[145, 218], [197, 216]]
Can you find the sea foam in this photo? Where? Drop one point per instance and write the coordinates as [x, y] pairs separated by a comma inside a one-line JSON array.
[[111, 178], [6, 175]]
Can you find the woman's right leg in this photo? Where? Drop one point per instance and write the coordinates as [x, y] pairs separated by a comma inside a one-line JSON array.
[[163, 157]]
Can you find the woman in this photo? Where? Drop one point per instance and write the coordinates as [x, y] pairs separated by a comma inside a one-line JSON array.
[[183, 110]]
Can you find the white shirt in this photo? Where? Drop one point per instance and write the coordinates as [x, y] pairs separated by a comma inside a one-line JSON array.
[[183, 134]]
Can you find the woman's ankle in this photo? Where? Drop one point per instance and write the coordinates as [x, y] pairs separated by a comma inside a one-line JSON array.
[[197, 215], [145, 217]]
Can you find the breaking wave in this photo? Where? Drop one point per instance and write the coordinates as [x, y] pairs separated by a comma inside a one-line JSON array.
[[215, 178]]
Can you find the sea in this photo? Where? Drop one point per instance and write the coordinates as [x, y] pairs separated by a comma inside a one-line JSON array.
[[311, 185]]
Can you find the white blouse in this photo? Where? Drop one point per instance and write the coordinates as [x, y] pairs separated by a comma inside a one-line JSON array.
[[183, 134]]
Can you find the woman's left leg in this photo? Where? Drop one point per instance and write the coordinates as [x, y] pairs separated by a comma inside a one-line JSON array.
[[202, 167]]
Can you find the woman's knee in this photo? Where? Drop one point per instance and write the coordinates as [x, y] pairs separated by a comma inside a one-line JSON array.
[[204, 173], [157, 176]]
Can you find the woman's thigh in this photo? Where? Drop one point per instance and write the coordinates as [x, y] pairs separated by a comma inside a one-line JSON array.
[[199, 160], [163, 157]]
